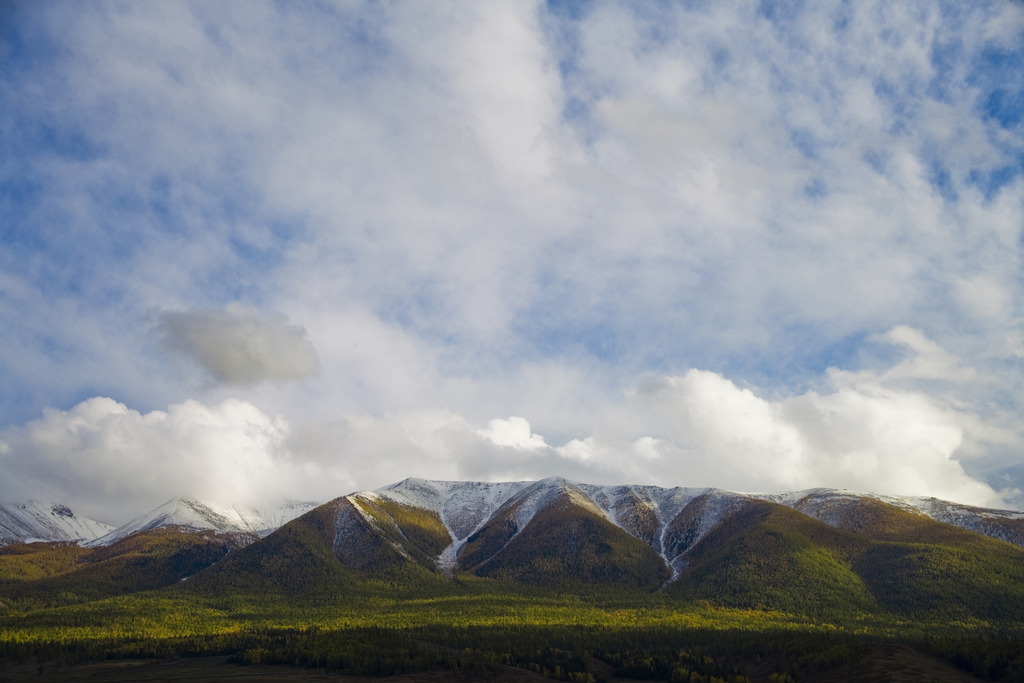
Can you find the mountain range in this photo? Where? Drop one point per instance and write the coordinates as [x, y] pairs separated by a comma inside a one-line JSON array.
[[731, 570], [646, 512], [797, 552]]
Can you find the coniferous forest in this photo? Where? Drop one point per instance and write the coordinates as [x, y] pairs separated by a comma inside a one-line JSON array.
[[769, 588]]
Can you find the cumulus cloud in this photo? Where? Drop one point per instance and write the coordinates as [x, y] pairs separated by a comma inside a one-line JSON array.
[[239, 346], [862, 434], [507, 209], [865, 437], [514, 432], [110, 461], [868, 431]]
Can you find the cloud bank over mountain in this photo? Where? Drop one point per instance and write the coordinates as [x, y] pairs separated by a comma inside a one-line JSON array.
[[740, 242], [111, 462]]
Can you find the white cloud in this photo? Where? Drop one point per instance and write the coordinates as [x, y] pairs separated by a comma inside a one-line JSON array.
[[493, 58], [866, 433], [869, 432], [238, 346], [497, 209], [514, 432], [106, 460], [928, 359], [864, 437]]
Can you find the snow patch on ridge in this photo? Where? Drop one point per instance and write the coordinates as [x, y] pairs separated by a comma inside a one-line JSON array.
[[465, 507], [462, 506], [525, 504], [470, 504], [994, 523], [194, 514], [33, 521], [618, 501], [671, 521]]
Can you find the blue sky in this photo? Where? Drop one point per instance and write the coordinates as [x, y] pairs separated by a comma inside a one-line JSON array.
[[752, 245]]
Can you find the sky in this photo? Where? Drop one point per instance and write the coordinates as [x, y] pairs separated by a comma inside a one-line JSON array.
[[266, 250]]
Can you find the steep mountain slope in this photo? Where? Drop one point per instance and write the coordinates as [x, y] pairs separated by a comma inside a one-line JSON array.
[[883, 521], [765, 555], [558, 537], [30, 561], [466, 508], [723, 548], [1006, 525], [482, 518], [32, 521], [816, 552], [189, 513], [59, 574], [332, 550], [547, 533], [459, 508], [461, 505], [827, 505], [695, 520]]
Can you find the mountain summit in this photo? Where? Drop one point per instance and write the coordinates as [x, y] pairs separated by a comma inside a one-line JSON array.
[[196, 515], [806, 552], [32, 521], [555, 531], [482, 518]]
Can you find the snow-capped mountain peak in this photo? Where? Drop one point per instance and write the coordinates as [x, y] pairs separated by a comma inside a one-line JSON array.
[[670, 521], [200, 515], [462, 505], [826, 505], [34, 521]]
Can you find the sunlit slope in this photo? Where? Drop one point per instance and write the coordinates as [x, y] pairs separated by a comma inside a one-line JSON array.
[[415, 532], [297, 558], [355, 539], [769, 556], [29, 561], [744, 553], [556, 537], [332, 550], [564, 544], [144, 561]]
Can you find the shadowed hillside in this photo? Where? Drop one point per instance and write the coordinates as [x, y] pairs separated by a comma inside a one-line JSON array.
[[566, 544], [769, 556], [145, 561]]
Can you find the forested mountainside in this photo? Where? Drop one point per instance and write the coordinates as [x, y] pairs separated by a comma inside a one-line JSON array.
[[611, 570]]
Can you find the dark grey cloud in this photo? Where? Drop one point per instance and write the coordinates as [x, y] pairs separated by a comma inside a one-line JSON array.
[[238, 346]]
